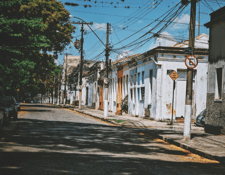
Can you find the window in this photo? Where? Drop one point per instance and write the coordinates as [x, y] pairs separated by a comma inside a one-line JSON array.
[[124, 86], [127, 84], [150, 86], [110, 86], [218, 87], [143, 77], [115, 88], [138, 92], [150, 79], [143, 93], [121, 84], [139, 78], [113, 85], [134, 95], [131, 95], [135, 79], [131, 80]]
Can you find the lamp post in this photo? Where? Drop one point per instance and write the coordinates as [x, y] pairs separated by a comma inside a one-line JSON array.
[[64, 96], [79, 44]]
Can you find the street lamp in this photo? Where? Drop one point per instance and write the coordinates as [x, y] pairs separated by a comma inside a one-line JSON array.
[[77, 44]]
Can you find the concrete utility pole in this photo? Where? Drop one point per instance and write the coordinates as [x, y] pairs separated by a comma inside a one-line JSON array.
[[81, 58], [64, 101], [199, 18], [106, 80], [58, 89], [81, 64], [53, 101], [188, 102]]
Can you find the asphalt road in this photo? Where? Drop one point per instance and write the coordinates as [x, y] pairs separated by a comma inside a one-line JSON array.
[[51, 140]]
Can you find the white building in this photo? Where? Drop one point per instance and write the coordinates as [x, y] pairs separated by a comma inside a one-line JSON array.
[[145, 79]]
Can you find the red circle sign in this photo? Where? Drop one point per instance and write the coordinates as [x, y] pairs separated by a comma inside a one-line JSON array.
[[191, 61]]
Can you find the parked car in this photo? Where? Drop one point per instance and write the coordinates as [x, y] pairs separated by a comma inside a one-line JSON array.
[[4, 114], [18, 106], [10, 103], [200, 119], [1, 121]]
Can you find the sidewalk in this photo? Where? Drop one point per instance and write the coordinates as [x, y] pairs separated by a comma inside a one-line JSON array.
[[203, 144]]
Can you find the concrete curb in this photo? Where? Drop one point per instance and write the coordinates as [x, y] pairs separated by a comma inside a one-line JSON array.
[[167, 139], [192, 150]]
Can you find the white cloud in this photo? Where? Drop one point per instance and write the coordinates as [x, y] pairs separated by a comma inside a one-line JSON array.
[[102, 26], [96, 26], [125, 53], [184, 20], [164, 39], [140, 22]]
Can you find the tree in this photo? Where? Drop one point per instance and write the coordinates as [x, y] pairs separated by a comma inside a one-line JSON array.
[[28, 29]]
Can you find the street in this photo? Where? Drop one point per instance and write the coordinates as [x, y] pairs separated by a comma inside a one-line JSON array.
[[49, 140]]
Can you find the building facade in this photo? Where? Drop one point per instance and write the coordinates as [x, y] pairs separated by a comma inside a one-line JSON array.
[[216, 90], [145, 80]]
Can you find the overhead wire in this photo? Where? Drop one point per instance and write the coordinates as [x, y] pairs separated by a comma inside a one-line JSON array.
[[164, 26], [126, 16], [133, 15], [137, 18], [168, 12]]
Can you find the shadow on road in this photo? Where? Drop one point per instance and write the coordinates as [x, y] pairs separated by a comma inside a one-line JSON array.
[[37, 105], [58, 147], [33, 110]]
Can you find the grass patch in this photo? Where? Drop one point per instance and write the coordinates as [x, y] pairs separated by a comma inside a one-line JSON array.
[[118, 121]]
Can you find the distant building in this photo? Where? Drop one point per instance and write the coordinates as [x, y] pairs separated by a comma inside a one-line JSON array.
[[90, 68], [69, 63], [216, 80], [201, 41]]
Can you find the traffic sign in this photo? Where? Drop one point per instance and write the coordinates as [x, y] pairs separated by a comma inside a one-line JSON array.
[[106, 80], [80, 87], [174, 75], [191, 61]]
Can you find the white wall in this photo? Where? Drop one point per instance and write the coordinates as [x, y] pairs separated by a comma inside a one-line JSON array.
[[136, 105], [112, 90], [166, 84]]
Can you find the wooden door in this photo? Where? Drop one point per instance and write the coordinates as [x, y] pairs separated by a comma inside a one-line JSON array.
[[101, 97]]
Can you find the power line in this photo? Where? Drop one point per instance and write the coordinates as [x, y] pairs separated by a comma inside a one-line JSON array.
[[169, 11], [90, 6], [144, 41]]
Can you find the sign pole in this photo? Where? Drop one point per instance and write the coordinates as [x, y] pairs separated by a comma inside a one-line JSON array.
[[171, 123], [174, 75]]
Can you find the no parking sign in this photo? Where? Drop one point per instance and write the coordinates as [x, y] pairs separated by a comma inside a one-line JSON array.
[[191, 61]]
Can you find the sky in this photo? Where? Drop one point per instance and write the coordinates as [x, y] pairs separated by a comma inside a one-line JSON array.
[[160, 20]]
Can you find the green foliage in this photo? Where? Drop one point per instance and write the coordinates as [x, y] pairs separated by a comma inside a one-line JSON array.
[[125, 108], [28, 29], [118, 121]]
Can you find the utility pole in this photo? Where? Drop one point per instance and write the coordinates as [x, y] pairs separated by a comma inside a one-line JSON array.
[[58, 89], [64, 101], [53, 101], [198, 18], [81, 63], [106, 80], [188, 102], [81, 58]]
